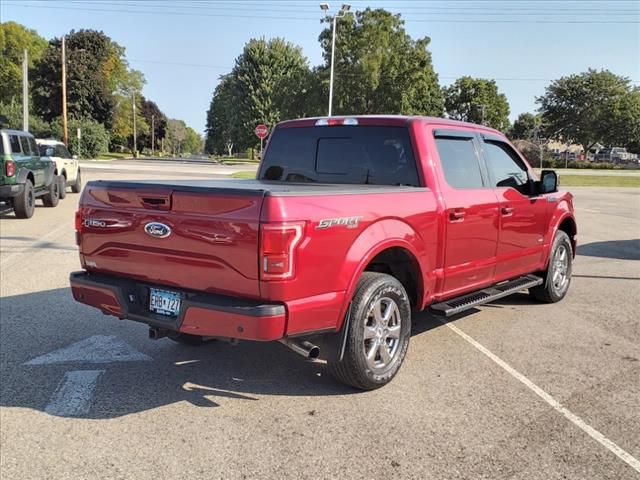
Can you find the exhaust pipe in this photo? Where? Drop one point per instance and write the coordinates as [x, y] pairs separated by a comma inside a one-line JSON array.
[[157, 333], [304, 348]]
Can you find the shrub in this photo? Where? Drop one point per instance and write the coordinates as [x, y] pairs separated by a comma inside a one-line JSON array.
[[94, 138]]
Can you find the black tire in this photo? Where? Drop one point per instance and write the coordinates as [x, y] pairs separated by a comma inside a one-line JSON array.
[[77, 187], [357, 369], [186, 339], [24, 204], [558, 274], [52, 197], [62, 189]]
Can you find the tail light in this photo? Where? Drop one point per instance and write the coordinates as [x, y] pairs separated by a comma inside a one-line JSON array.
[[331, 122], [9, 168], [278, 244], [78, 226]]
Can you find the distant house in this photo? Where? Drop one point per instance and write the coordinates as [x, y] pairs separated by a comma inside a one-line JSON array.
[[559, 150]]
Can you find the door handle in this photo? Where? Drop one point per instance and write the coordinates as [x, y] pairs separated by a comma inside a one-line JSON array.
[[456, 215], [506, 210]]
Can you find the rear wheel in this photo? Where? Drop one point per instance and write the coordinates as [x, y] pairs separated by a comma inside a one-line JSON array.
[[77, 187], [24, 204], [62, 189], [558, 274], [378, 333], [51, 198]]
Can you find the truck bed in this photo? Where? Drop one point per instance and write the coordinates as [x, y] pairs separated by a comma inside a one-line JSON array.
[[257, 187]]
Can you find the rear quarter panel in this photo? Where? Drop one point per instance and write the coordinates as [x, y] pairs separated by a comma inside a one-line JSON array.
[[331, 259]]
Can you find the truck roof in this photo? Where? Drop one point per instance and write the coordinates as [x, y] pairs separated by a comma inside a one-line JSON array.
[[391, 120]]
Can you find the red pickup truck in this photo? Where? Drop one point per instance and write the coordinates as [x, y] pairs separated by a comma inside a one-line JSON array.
[[352, 224]]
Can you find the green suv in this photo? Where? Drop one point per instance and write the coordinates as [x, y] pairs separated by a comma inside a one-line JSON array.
[[24, 176]]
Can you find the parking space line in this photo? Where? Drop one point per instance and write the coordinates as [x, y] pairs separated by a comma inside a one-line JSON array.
[[573, 418], [74, 395]]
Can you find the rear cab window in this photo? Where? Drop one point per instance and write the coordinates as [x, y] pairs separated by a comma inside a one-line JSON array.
[[363, 154], [14, 144]]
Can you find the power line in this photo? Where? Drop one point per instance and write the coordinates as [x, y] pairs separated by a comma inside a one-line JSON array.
[[351, 74], [267, 17], [418, 10]]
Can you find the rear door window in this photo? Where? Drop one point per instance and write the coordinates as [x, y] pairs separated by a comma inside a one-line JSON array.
[[14, 142], [373, 155], [33, 146], [62, 152], [460, 162]]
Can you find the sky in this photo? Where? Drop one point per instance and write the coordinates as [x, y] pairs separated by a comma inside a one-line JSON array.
[[183, 46]]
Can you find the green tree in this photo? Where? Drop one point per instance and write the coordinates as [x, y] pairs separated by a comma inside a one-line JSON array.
[[219, 136], [96, 68], [175, 137], [266, 85], [122, 130], [592, 107], [193, 142], [474, 99], [525, 126], [14, 39], [153, 117], [379, 68], [11, 117]]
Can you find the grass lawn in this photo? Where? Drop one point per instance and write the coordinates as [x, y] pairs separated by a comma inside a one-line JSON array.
[[112, 156], [236, 161], [565, 180], [599, 181], [251, 175]]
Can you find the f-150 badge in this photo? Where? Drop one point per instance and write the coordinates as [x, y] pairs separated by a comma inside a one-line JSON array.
[[349, 222]]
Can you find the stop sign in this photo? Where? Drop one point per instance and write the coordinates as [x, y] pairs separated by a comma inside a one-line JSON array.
[[262, 131]]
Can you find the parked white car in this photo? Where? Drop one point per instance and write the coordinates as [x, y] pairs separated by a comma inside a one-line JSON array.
[[66, 164]]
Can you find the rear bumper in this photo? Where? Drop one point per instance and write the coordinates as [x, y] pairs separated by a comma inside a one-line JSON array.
[[200, 314], [10, 191]]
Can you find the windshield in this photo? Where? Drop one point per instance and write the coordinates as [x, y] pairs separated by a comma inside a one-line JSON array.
[[373, 155]]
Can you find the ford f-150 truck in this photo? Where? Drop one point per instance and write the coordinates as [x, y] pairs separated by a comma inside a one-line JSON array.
[[351, 224]]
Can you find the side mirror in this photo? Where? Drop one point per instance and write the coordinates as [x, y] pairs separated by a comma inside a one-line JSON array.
[[548, 181], [50, 152], [75, 157]]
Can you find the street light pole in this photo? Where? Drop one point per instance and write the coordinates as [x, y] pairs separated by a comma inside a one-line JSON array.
[[343, 11], [25, 91], [333, 54], [65, 133]]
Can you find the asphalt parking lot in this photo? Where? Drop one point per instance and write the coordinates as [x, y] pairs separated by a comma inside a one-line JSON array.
[[464, 406]]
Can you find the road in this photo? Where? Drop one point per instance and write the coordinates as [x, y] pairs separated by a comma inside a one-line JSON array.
[[462, 407]]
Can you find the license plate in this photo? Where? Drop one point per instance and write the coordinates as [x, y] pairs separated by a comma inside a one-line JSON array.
[[164, 302]]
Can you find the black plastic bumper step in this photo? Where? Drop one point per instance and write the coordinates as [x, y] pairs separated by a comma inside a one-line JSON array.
[[465, 302]]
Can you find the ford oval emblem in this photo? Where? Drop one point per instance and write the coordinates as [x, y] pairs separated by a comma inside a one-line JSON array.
[[157, 230]]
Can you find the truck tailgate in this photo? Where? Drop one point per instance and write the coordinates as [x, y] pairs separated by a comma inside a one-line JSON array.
[[203, 240]]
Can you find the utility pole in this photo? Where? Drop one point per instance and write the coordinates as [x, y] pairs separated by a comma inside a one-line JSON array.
[[25, 91], [482, 108], [343, 11], [153, 133], [538, 141], [135, 132], [65, 133]]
